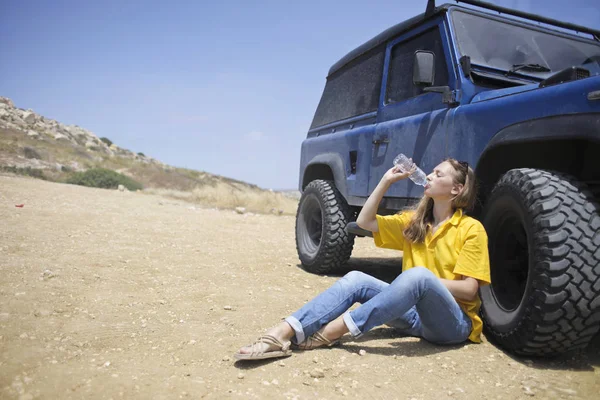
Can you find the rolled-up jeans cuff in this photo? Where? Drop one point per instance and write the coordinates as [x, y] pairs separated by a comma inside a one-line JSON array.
[[297, 327], [354, 331]]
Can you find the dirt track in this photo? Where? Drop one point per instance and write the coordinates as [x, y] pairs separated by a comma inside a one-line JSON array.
[[107, 294]]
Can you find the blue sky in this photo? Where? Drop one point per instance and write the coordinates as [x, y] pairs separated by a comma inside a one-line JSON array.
[[226, 87]]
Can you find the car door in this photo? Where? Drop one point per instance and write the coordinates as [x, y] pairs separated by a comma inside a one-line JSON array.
[[411, 121]]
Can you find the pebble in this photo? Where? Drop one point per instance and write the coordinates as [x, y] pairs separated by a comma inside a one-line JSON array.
[[47, 274], [317, 373], [281, 364], [567, 391], [307, 383], [226, 358], [241, 375], [228, 308], [362, 352], [527, 390]]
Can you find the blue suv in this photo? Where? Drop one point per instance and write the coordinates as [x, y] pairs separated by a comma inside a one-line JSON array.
[[517, 100]]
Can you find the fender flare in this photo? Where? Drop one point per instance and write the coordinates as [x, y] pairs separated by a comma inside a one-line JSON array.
[[555, 128], [336, 164]]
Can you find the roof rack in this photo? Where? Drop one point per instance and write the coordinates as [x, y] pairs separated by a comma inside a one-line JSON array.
[[534, 17]]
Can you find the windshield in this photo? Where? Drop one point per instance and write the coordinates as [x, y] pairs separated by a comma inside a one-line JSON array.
[[501, 45]]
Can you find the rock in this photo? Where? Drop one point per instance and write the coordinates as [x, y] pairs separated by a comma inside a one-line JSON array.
[[240, 210], [121, 188], [317, 373], [567, 391], [32, 134], [527, 390], [241, 375], [28, 117], [47, 274], [226, 358], [60, 136], [362, 352], [229, 308], [89, 144], [7, 101]]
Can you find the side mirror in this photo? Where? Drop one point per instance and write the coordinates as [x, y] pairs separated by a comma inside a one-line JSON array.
[[424, 68]]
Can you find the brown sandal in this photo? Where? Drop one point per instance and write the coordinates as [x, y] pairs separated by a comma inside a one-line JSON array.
[[314, 341], [283, 349]]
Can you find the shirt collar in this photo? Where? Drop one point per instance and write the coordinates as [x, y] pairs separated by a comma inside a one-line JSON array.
[[456, 217]]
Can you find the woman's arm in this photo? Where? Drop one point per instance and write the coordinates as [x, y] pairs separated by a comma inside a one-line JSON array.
[[366, 218], [465, 289]]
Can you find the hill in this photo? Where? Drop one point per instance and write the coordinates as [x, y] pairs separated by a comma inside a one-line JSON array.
[[34, 145]]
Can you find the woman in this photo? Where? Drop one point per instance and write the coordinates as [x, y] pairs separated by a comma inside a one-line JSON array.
[[445, 260]]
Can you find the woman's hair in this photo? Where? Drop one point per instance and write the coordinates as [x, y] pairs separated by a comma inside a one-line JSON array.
[[416, 229]]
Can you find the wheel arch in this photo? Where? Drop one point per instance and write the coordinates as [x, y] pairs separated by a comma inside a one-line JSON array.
[[326, 166], [567, 144]]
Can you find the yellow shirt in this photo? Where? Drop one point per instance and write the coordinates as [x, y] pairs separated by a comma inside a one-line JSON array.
[[457, 249]]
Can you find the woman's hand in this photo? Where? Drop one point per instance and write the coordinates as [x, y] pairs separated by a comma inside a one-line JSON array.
[[395, 174], [367, 218]]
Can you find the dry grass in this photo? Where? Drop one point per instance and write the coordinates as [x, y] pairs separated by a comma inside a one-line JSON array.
[[229, 196], [181, 183]]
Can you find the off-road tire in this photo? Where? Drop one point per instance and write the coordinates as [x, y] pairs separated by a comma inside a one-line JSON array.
[[559, 307], [330, 246]]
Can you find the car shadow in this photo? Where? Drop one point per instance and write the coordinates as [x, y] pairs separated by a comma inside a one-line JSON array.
[[384, 268], [388, 268]]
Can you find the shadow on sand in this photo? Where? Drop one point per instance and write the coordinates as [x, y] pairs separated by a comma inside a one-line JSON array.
[[387, 269]]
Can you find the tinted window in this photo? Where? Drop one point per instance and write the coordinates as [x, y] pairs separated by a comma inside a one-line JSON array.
[[400, 79], [352, 90]]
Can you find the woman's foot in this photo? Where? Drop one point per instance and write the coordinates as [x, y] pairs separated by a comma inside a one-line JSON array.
[[328, 335], [315, 341], [274, 343]]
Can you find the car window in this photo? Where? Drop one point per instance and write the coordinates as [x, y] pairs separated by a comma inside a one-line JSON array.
[[400, 84], [353, 90]]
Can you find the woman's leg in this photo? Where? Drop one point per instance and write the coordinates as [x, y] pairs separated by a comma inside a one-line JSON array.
[[354, 287], [438, 316]]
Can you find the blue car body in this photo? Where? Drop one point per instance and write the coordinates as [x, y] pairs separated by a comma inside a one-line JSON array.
[[528, 125]]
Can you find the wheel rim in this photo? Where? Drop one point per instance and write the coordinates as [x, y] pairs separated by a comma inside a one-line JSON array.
[[510, 258], [311, 220]]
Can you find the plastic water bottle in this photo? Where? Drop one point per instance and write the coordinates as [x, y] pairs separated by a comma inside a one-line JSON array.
[[418, 177]]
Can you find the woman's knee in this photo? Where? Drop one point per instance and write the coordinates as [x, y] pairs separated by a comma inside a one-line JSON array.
[[354, 277], [419, 273], [416, 276]]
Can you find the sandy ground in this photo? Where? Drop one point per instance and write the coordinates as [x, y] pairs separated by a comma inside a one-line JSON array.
[[109, 295]]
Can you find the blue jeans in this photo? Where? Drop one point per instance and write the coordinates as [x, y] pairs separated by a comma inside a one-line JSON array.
[[416, 302]]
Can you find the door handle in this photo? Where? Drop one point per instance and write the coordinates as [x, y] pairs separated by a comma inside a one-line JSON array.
[[381, 141]]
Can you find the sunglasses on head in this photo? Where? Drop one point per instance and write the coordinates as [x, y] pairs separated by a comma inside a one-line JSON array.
[[464, 164]]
